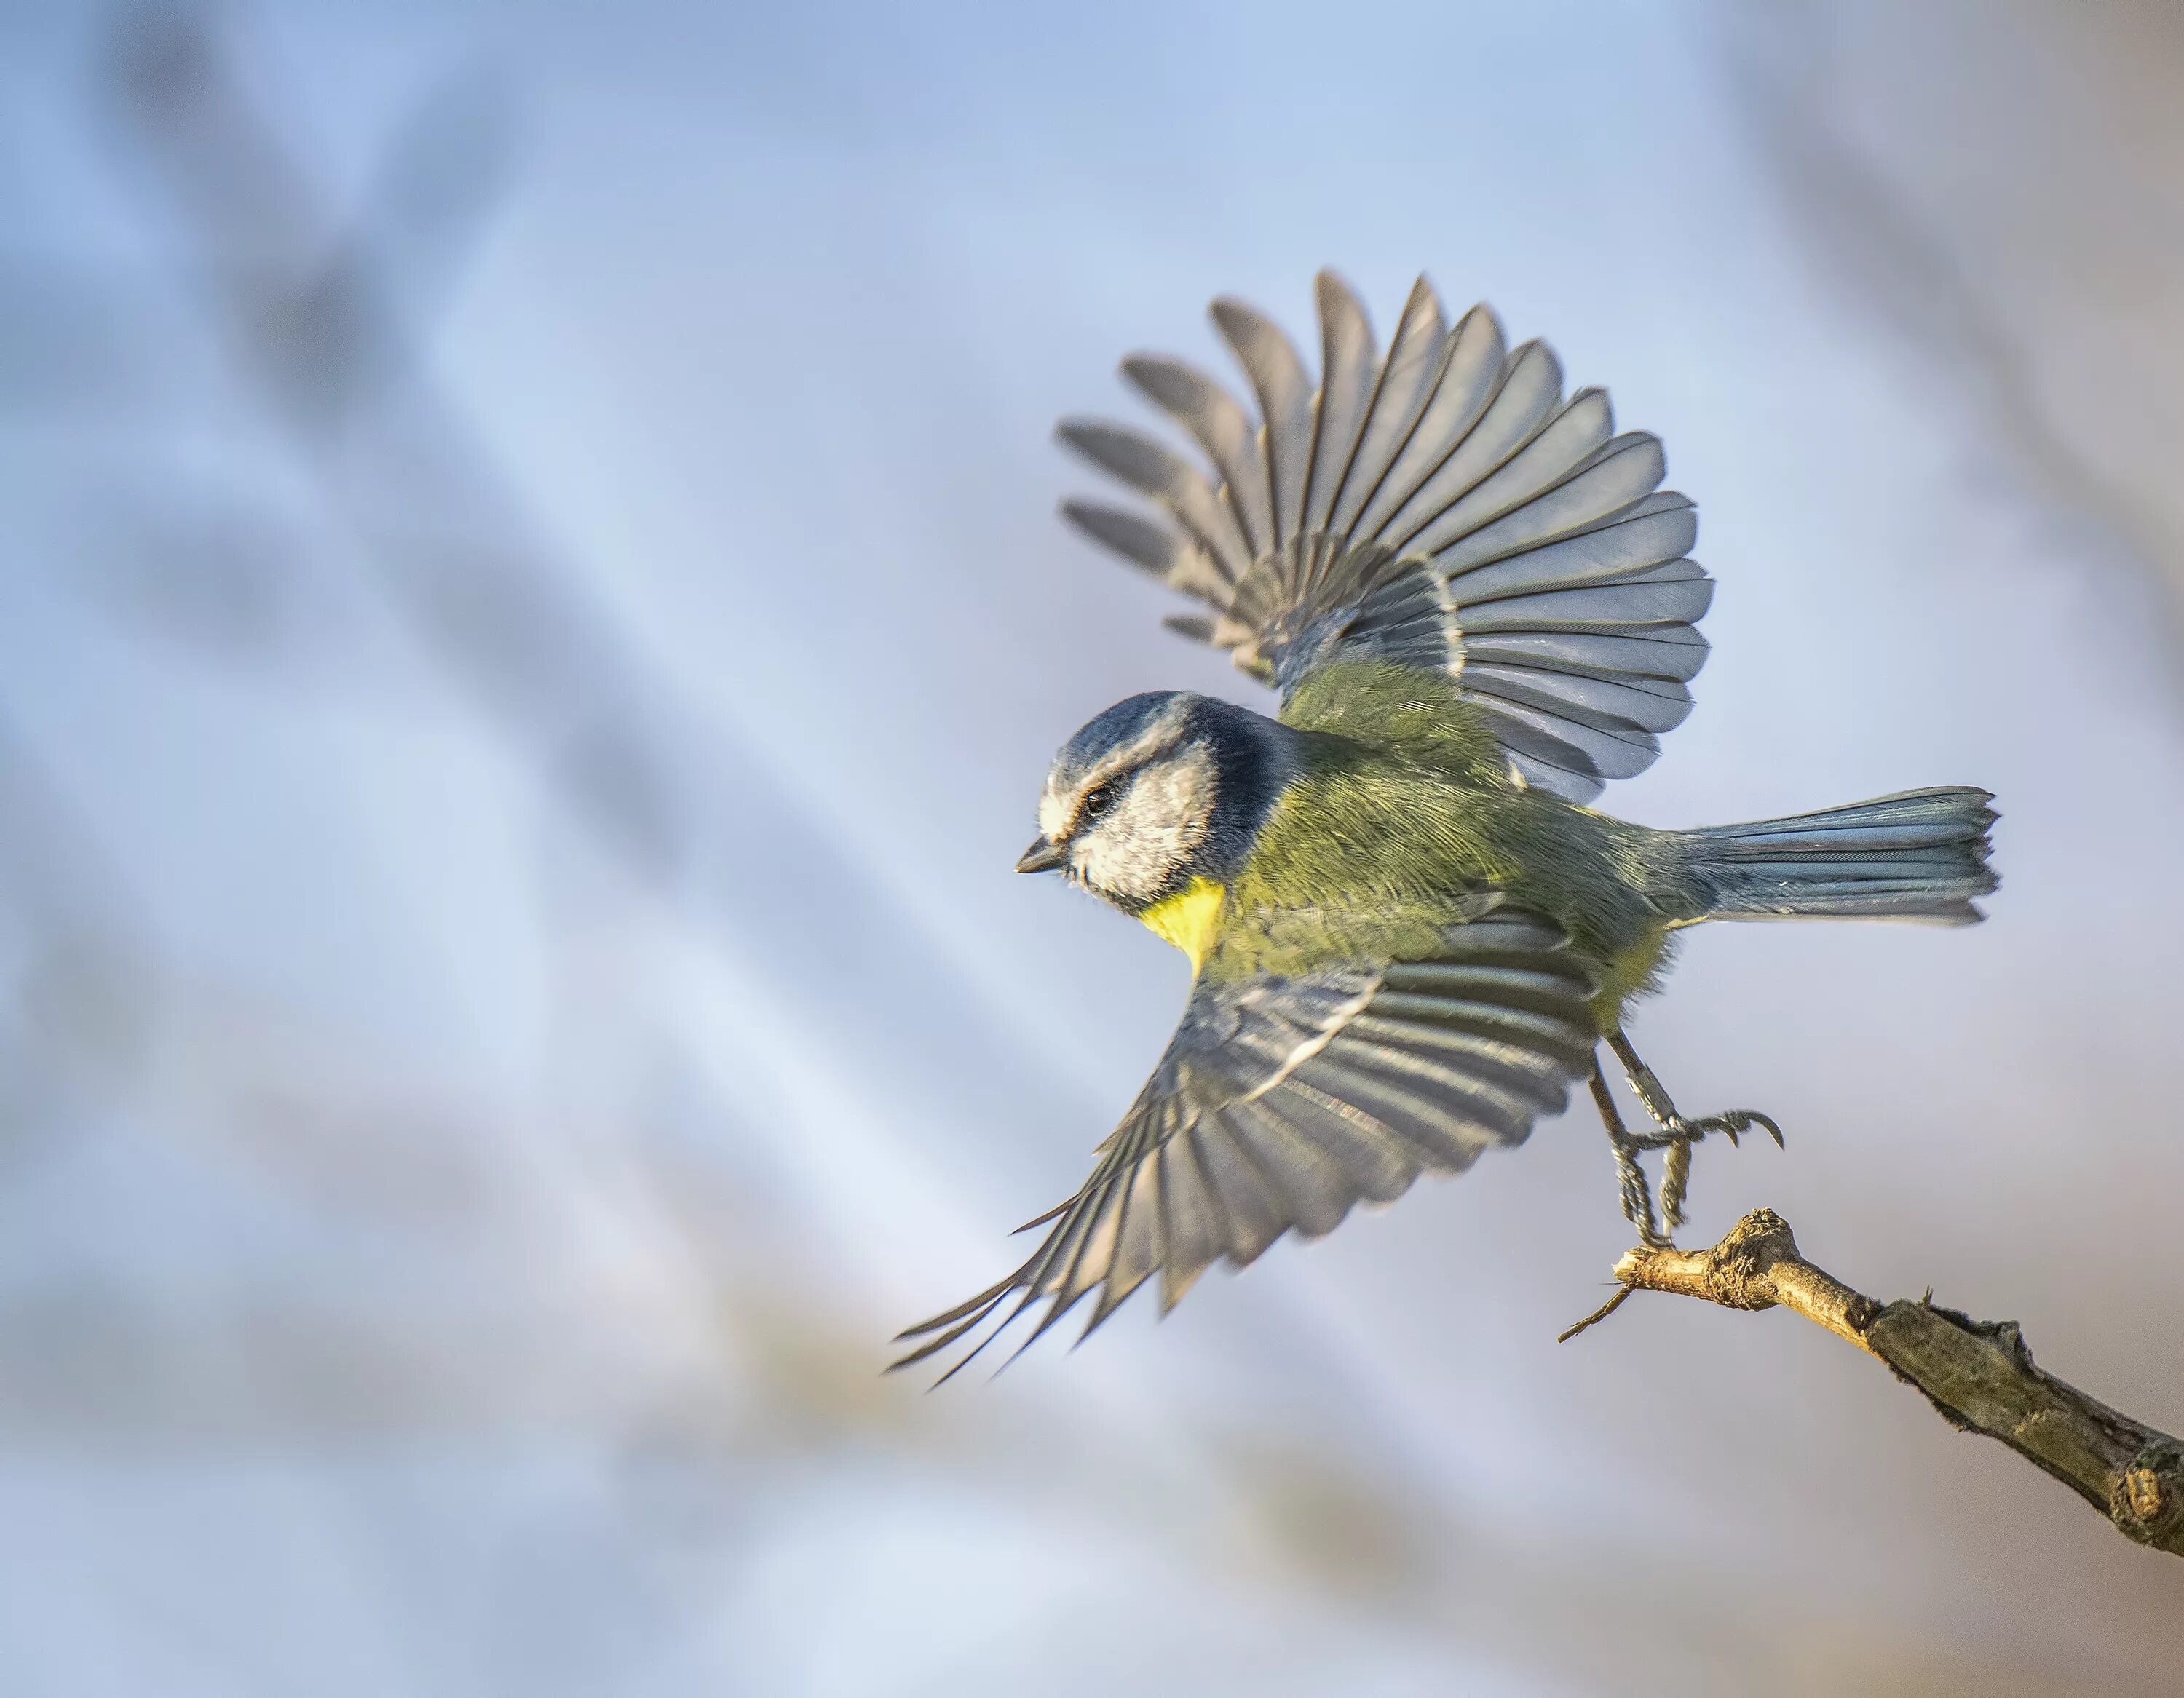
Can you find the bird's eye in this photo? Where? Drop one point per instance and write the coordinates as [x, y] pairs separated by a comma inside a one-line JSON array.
[[1097, 802]]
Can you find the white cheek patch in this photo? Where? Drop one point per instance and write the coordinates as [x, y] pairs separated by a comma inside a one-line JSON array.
[[1133, 851], [1053, 814]]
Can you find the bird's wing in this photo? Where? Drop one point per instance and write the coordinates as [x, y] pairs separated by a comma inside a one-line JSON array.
[[1281, 1101], [1443, 507]]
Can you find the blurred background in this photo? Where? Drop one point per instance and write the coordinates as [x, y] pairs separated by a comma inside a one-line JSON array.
[[530, 621]]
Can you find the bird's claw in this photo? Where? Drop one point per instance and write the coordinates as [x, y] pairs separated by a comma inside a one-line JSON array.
[[1730, 1123]]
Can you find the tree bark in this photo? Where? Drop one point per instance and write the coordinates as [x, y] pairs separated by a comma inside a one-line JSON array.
[[1979, 1374]]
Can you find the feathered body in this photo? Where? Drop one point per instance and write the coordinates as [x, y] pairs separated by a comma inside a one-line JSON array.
[[1396, 813], [1407, 929], [1406, 813]]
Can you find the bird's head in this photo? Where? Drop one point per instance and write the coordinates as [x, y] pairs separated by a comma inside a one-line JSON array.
[[1159, 790]]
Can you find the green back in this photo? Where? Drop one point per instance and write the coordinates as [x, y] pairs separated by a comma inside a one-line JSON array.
[[1405, 819]]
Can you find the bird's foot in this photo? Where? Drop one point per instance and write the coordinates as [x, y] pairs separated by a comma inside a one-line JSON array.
[[1682, 1135], [1674, 1131]]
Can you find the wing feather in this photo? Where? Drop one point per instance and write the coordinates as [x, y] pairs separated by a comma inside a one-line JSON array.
[[1497, 1089], [1095, 1254], [1596, 556], [1197, 1230], [1376, 1163], [1472, 363], [1282, 1102], [1153, 469], [1378, 1085], [1286, 407], [1591, 753], [1444, 509], [1583, 495], [1182, 564], [1252, 1205], [1565, 443], [1669, 653], [1531, 386], [1140, 1242], [1446, 1046], [1308, 1181], [1676, 593], [1408, 377], [1223, 428], [1346, 395], [1602, 701], [1399, 1017], [1446, 1139]]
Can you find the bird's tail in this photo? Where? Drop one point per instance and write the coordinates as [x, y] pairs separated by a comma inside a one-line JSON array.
[[1920, 856]]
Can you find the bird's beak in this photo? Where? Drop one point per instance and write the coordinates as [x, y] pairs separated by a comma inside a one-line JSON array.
[[1043, 856]]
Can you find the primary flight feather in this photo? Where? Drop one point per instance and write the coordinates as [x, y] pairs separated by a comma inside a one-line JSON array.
[[1408, 934]]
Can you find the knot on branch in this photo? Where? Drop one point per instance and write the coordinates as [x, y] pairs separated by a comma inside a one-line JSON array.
[[1735, 1271], [2145, 1499], [1755, 1265]]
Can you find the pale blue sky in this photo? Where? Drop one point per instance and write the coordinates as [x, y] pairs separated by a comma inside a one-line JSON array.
[[448, 1232]]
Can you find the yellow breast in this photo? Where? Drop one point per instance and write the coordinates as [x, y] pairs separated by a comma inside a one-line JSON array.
[[1189, 918]]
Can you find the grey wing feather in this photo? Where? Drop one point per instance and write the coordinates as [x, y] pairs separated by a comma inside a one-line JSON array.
[[1195, 627], [1140, 542], [1285, 406], [1513, 491], [1348, 368], [1406, 385], [1223, 429], [1569, 477], [1530, 389], [1252, 1204], [1282, 1102], [1153, 469], [1470, 370], [1444, 507]]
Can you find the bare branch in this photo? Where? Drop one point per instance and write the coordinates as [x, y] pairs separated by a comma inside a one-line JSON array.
[[1979, 1374]]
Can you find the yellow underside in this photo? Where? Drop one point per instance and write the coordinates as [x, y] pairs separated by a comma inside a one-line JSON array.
[[1189, 918]]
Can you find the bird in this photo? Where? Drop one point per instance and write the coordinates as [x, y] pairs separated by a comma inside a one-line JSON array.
[[1410, 933]]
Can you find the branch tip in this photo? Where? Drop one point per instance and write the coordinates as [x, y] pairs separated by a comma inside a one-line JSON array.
[[1980, 1376]]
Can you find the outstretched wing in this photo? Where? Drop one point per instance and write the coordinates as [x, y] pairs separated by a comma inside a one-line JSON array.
[[1280, 1102], [1445, 507]]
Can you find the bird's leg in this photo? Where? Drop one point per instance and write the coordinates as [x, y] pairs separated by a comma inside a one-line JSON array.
[[1675, 1132], [1675, 1181], [1637, 1195]]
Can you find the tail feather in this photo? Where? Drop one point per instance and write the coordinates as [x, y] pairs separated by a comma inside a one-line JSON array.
[[1919, 855]]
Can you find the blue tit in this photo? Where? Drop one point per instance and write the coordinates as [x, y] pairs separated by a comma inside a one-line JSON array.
[[1409, 934]]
